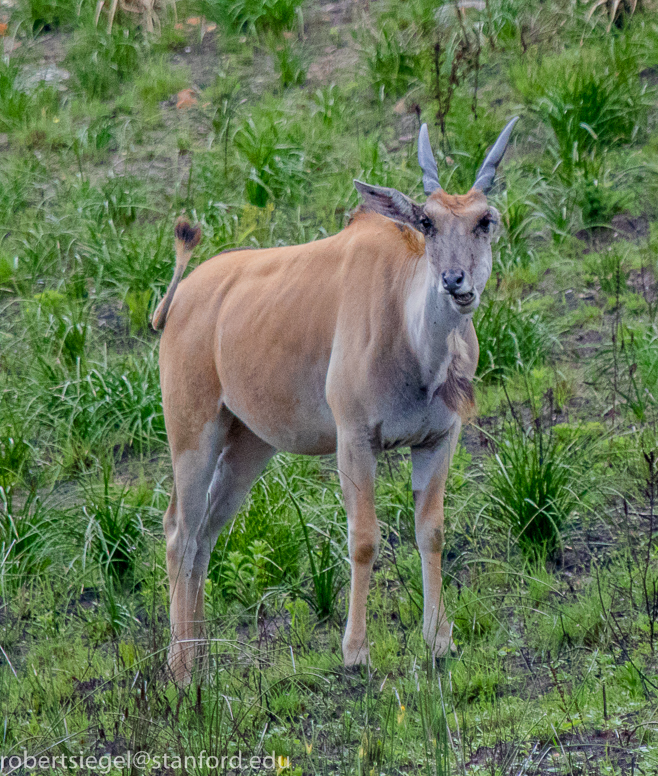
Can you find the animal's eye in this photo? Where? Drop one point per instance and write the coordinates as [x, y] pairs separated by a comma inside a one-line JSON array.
[[484, 223], [425, 224]]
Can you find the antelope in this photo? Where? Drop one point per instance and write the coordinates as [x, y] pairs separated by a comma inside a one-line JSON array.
[[354, 344]]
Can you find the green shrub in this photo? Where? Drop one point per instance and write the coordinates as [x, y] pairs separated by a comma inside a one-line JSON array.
[[609, 269], [391, 62], [100, 63], [276, 162], [114, 534], [535, 482], [590, 101], [46, 15], [253, 15], [289, 64], [510, 338]]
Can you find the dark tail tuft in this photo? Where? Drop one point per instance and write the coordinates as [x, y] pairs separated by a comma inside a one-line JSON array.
[[190, 235]]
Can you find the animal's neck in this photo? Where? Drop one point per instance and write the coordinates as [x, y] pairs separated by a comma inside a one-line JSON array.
[[433, 327]]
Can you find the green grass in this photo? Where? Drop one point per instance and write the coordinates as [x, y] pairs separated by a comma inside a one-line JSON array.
[[550, 560]]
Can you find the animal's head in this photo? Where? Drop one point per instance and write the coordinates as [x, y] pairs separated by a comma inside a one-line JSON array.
[[458, 229]]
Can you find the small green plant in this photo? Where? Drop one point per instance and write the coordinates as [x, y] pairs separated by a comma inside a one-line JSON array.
[[325, 569], [609, 269], [289, 64], [276, 164], [254, 16], [24, 536], [138, 303], [100, 63], [20, 107], [473, 616], [535, 483], [114, 534], [246, 575], [628, 366], [328, 105], [518, 214], [599, 200], [591, 103], [559, 209], [510, 338], [47, 15], [159, 82], [61, 321], [392, 63]]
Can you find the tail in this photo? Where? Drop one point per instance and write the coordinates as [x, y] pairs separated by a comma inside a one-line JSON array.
[[187, 238]]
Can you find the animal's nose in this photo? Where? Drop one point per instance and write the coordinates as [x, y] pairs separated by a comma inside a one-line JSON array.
[[453, 280]]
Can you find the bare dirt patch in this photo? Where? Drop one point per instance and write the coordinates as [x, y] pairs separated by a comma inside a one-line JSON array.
[[622, 227]]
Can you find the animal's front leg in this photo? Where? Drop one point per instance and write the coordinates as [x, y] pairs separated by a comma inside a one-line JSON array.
[[430, 472], [357, 465]]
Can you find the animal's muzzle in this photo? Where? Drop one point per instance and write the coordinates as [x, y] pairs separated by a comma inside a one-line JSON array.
[[455, 282]]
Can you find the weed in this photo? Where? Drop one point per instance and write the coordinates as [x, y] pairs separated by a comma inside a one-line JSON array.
[[289, 64], [18, 105], [325, 570], [510, 338], [101, 62], [328, 105], [254, 15], [536, 484], [61, 321], [590, 105], [391, 62], [48, 15], [609, 269], [24, 537], [276, 165], [473, 616], [629, 365], [15, 455], [518, 213], [599, 200], [159, 82], [114, 535]]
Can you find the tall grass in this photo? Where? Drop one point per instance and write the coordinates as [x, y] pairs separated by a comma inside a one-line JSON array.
[[275, 163], [254, 16], [591, 102], [536, 482], [510, 338]]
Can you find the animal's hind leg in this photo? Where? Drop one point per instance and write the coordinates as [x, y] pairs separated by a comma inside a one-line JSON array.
[[243, 458], [194, 461], [210, 485]]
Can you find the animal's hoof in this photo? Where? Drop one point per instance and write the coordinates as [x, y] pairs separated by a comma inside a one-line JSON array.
[[186, 659], [442, 645], [356, 656], [181, 673]]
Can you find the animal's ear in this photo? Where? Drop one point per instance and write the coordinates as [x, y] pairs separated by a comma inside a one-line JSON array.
[[390, 203]]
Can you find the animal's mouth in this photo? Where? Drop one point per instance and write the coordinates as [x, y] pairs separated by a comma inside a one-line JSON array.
[[464, 300]]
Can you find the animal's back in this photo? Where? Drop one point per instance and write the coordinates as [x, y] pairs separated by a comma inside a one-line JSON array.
[[266, 321]]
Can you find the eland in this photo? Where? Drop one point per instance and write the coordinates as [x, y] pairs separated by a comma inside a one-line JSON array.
[[354, 344]]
